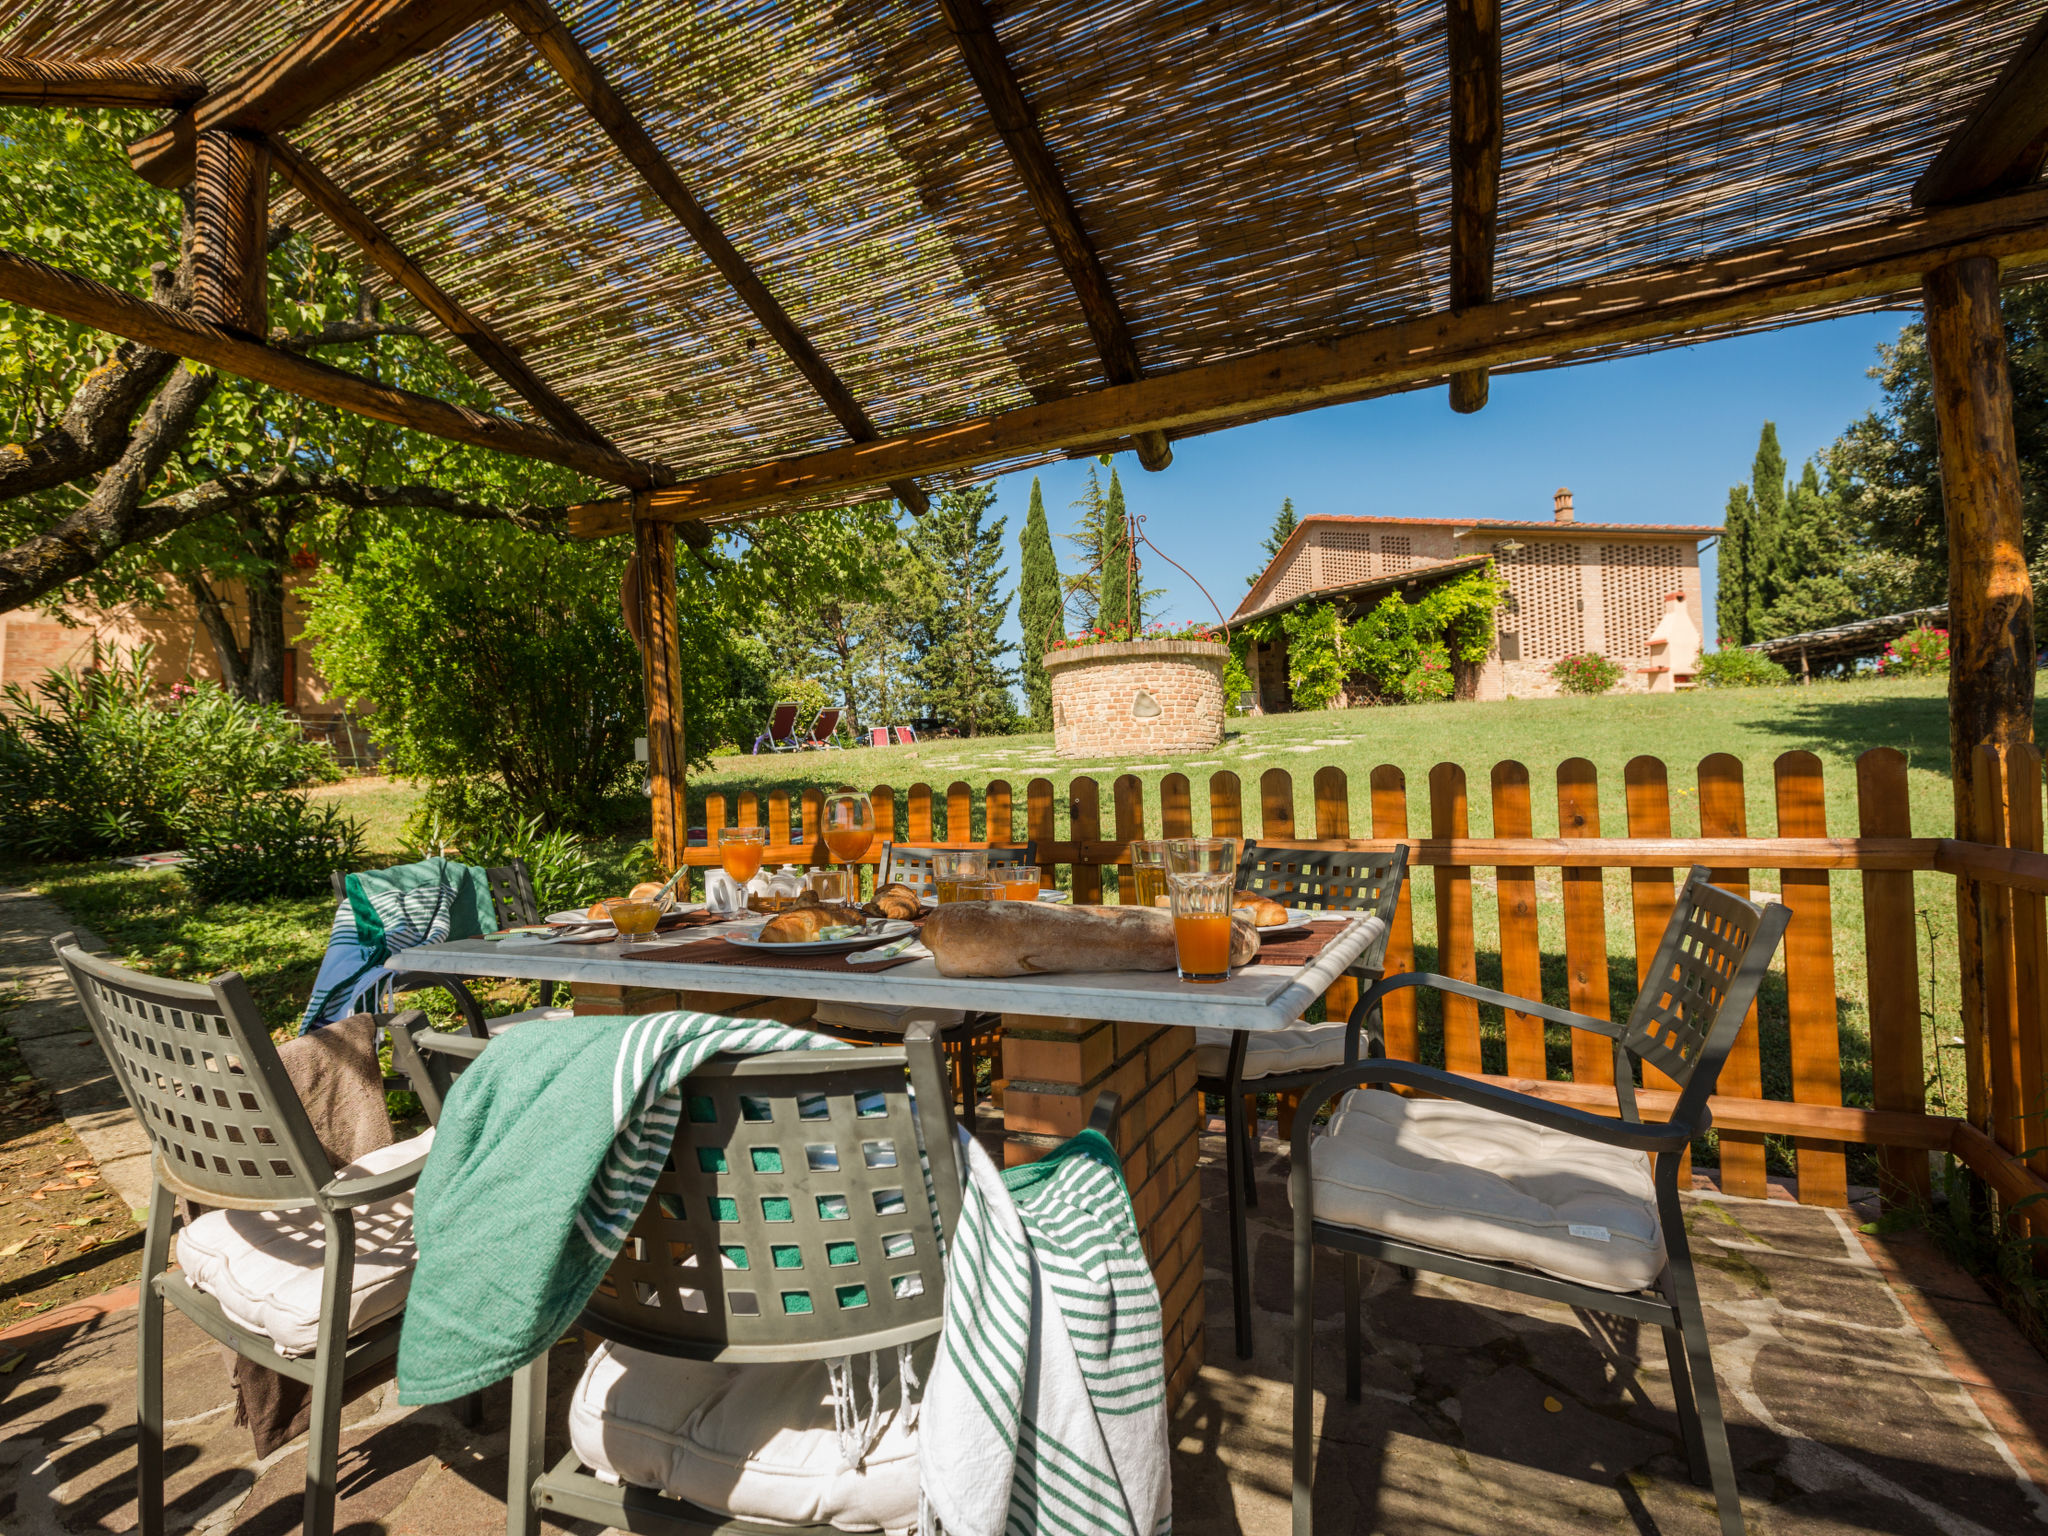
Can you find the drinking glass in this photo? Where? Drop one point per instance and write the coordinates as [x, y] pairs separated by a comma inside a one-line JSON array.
[[633, 916], [950, 866], [1021, 882], [1148, 872], [849, 828], [740, 850], [1201, 924], [1203, 855], [979, 890], [830, 885]]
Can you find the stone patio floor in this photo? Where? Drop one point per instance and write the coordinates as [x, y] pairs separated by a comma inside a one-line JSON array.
[[1870, 1386]]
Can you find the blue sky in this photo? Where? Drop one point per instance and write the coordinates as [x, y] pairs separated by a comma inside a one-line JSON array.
[[1654, 439]]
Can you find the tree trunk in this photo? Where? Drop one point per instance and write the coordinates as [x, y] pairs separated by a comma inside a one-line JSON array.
[[1465, 680], [220, 629], [264, 587]]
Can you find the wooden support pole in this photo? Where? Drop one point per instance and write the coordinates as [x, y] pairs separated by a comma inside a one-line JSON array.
[[472, 330], [974, 33], [579, 73], [1991, 599], [1478, 124], [360, 41], [85, 302], [230, 233], [1779, 280], [28, 82], [661, 671]]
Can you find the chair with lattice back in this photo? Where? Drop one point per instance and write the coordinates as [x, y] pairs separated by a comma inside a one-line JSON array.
[[227, 1132], [515, 906], [1466, 1178], [793, 1222], [1235, 1062]]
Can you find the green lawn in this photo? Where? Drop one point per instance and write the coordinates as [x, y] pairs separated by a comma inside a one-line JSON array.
[[151, 918]]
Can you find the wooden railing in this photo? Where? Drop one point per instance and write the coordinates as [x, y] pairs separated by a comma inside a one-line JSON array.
[[1437, 833]]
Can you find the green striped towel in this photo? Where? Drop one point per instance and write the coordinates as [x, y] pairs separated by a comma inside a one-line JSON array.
[[1046, 1410], [385, 912], [547, 1149]]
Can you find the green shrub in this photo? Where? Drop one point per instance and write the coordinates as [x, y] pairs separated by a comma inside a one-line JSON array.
[[1589, 672], [565, 874], [269, 846], [1734, 667], [1921, 652], [95, 763], [1315, 654]]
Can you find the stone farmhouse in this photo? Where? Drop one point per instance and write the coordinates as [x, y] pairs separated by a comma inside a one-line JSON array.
[[1573, 587]]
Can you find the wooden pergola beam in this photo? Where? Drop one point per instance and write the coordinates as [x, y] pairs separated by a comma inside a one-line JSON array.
[[359, 42], [24, 280], [1478, 124], [2003, 144], [974, 33], [586, 82], [32, 82], [230, 233], [1756, 284], [465, 325]]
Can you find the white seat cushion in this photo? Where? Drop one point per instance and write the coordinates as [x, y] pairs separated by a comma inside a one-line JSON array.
[[1470, 1181], [505, 1021], [882, 1018], [264, 1267], [754, 1442], [1299, 1048]]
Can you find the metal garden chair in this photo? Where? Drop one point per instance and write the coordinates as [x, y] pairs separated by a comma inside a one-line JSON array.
[[1234, 1062], [513, 901], [1626, 1255], [227, 1131], [790, 1224]]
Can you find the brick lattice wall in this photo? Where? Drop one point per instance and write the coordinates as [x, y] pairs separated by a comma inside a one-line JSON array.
[[1097, 691]]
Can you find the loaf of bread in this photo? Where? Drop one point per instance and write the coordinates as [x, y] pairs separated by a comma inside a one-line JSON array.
[[1028, 938], [894, 900], [1264, 911]]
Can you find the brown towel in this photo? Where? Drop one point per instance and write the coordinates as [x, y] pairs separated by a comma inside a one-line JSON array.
[[341, 1086]]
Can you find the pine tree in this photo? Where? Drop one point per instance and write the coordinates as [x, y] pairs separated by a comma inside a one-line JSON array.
[[1123, 599], [1283, 525], [959, 656], [1082, 588], [1040, 612], [1738, 561]]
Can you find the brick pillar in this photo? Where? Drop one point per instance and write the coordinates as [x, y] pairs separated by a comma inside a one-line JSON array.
[[1055, 1068]]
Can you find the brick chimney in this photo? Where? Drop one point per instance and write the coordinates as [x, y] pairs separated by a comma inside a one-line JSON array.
[[1561, 505]]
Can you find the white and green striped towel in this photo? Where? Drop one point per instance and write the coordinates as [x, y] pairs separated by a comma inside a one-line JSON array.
[[546, 1151], [1046, 1411]]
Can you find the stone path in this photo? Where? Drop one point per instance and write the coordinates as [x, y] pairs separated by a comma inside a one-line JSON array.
[[1870, 1387], [57, 1044]]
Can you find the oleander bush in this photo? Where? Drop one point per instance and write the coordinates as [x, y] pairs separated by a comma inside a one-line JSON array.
[[1734, 667], [269, 845], [1588, 672], [1921, 652]]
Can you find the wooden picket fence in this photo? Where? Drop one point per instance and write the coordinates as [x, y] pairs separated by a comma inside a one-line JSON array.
[[2001, 889]]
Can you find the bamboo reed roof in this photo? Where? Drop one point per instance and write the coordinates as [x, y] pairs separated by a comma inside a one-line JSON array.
[[1251, 174]]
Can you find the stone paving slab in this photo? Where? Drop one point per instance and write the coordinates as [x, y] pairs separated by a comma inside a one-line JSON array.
[[57, 1044], [1870, 1387]]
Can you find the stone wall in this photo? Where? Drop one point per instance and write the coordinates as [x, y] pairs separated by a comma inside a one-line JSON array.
[[1532, 679], [1137, 696]]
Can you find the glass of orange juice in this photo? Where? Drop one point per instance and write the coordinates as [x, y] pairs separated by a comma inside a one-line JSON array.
[[740, 850], [979, 890], [1020, 882], [1201, 924], [848, 826], [1202, 855], [950, 866], [634, 917]]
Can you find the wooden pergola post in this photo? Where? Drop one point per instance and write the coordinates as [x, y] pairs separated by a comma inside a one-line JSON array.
[[1991, 598], [661, 671]]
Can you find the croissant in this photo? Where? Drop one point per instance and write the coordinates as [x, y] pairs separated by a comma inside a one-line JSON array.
[[894, 900]]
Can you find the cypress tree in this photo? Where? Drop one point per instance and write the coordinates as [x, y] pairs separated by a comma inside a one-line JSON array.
[[1738, 559], [1122, 599], [1040, 612], [1767, 521]]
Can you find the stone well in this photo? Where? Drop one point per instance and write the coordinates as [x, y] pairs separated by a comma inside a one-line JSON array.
[[1137, 696]]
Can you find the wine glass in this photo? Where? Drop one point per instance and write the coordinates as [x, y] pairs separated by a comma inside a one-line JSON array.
[[849, 828], [739, 855]]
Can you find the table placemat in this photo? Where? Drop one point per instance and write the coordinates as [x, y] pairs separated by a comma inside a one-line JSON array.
[[1302, 948], [718, 952]]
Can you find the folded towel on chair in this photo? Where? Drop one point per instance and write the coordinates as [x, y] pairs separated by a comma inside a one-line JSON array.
[[386, 912]]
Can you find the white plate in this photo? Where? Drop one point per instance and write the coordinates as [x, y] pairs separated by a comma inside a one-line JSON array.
[[881, 931], [1298, 919], [574, 919]]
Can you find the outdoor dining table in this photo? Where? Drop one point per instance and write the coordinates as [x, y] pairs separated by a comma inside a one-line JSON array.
[[1065, 1037]]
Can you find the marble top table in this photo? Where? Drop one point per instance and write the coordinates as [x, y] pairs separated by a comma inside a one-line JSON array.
[[1256, 997]]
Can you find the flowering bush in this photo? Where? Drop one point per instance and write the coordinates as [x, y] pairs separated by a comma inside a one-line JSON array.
[[1589, 672], [1921, 652], [1116, 633], [1734, 667]]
